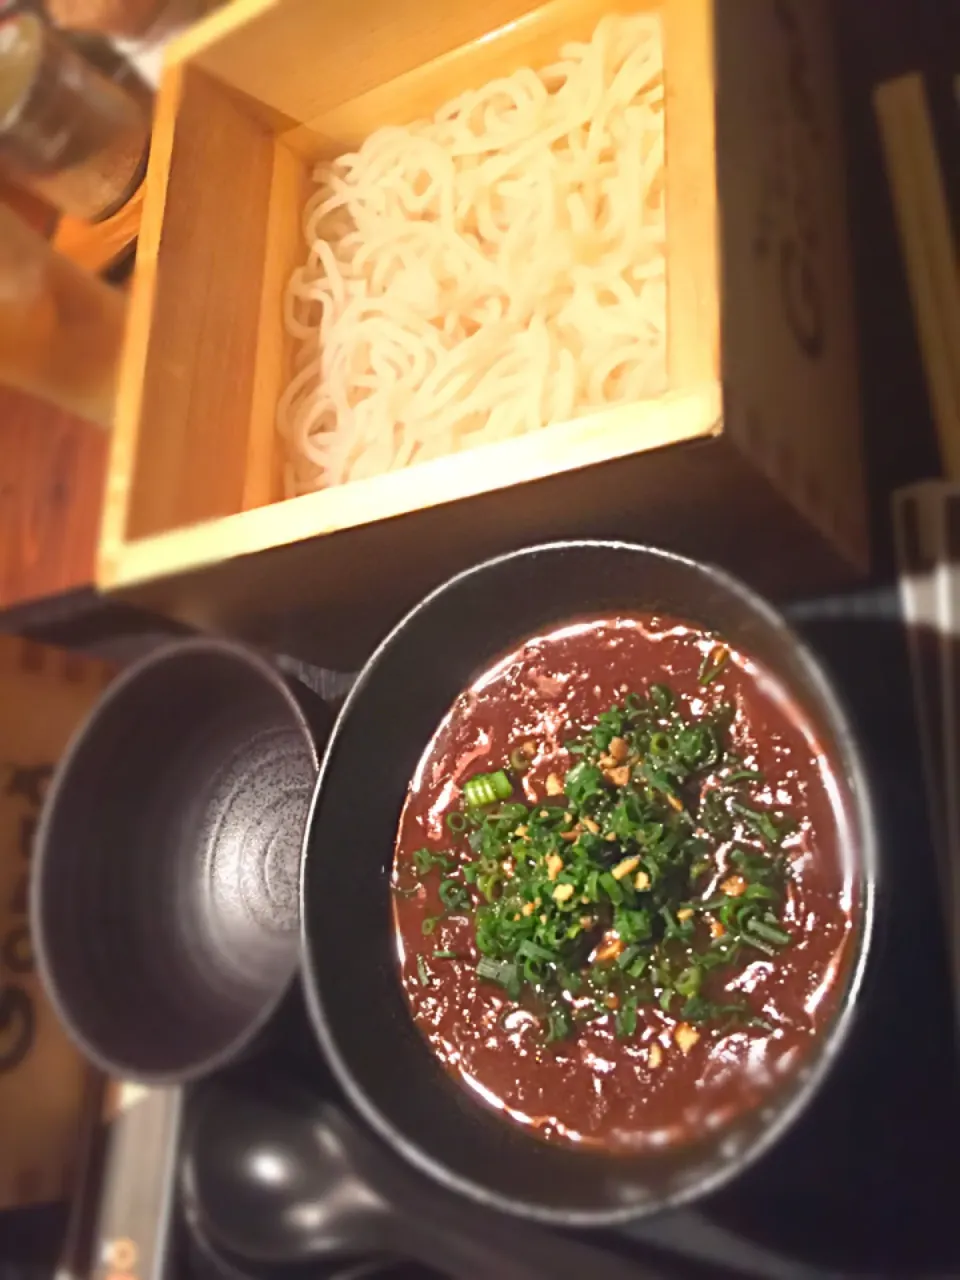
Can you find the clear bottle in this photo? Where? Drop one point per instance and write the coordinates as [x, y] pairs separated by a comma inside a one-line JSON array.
[[66, 131], [139, 30]]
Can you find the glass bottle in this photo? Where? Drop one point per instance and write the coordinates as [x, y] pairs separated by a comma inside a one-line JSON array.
[[66, 131]]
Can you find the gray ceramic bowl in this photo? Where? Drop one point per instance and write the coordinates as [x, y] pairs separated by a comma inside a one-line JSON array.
[[165, 884]]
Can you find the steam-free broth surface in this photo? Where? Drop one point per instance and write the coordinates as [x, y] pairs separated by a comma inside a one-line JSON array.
[[661, 1075]]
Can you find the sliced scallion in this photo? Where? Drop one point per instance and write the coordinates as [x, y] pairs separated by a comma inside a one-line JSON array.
[[714, 660], [485, 789], [770, 932], [614, 866]]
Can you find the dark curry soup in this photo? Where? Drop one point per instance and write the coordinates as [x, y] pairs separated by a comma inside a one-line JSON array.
[[620, 907]]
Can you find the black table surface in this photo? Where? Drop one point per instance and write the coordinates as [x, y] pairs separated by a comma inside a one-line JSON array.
[[865, 1183]]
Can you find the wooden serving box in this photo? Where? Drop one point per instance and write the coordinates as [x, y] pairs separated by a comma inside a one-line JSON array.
[[752, 457]]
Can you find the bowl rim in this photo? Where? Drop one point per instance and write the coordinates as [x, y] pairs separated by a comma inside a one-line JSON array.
[[172, 651], [834, 1036]]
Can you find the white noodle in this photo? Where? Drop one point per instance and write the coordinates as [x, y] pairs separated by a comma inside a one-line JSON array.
[[485, 273]]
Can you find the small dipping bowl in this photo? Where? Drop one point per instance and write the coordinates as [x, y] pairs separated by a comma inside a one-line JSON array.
[[164, 899]]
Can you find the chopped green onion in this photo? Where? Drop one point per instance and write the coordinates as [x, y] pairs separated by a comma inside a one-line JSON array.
[[612, 888], [531, 950], [688, 982], [627, 1017], [761, 822], [760, 892], [769, 932], [453, 895], [758, 944], [487, 883], [662, 698], [555, 879], [714, 660], [675, 928], [697, 1009], [423, 971], [501, 971], [583, 781], [485, 789], [425, 860], [715, 903], [558, 1025], [658, 779]]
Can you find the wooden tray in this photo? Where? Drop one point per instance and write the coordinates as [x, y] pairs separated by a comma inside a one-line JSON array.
[[753, 455], [52, 468], [44, 1080]]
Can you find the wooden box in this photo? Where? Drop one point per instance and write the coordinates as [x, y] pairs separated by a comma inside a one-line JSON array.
[[752, 457]]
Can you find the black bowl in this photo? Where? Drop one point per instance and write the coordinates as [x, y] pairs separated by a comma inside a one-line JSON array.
[[165, 903], [356, 1001]]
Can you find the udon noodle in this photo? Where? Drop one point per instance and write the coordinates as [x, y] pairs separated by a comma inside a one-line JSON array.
[[485, 273]]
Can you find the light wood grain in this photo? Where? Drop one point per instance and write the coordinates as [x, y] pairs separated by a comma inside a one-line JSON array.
[[196, 437], [289, 188], [52, 468], [570, 446], [300, 58], [531, 40], [693, 284], [331, 599], [195, 399], [137, 343]]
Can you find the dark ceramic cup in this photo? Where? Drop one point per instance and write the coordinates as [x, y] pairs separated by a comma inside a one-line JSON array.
[[164, 902]]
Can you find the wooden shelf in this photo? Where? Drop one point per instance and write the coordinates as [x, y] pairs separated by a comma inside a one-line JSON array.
[[52, 469], [52, 464]]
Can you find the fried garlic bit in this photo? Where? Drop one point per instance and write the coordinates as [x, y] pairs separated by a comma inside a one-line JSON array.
[[686, 1037]]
